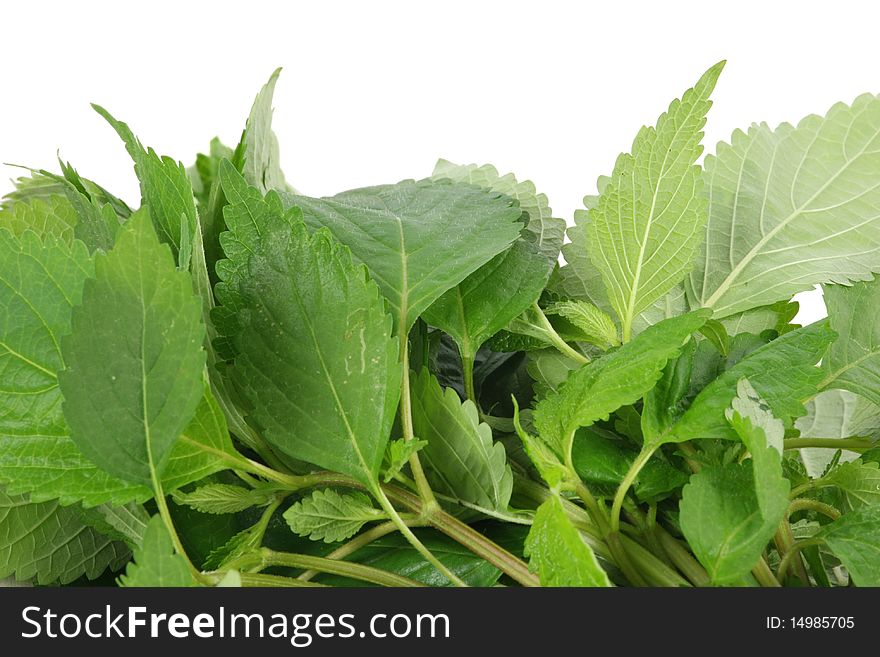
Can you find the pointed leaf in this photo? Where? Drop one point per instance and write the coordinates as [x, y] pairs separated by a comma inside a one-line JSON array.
[[598, 328], [134, 360], [223, 498], [647, 224], [859, 482], [855, 540], [155, 563], [460, 458], [261, 164]]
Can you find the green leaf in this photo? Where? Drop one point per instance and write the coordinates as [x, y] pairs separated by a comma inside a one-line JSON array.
[[165, 188], [600, 460], [549, 369], [859, 482], [134, 360], [665, 403], [261, 165], [853, 361], [648, 221], [330, 516], [773, 195], [622, 377], [393, 554], [557, 553], [50, 544], [484, 302], [155, 563], [316, 358], [548, 465], [126, 523], [598, 328], [855, 540], [460, 458], [397, 455], [418, 239], [204, 174], [223, 498], [782, 371], [53, 216], [729, 513], [775, 317]]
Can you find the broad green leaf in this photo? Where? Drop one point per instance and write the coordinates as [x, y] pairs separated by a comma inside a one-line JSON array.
[[418, 239], [460, 458], [127, 523], [622, 377], [397, 455], [729, 513], [165, 188], [598, 328], [601, 460], [330, 516], [260, 163], [53, 216], [649, 219], [50, 544], [782, 371], [773, 195], [316, 359], [776, 317], [549, 369], [859, 482], [38, 185], [392, 553], [223, 498], [155, 563], [557, 553], [835, 414], [134, 361], [855, 540], [853, 361], [484, 302]]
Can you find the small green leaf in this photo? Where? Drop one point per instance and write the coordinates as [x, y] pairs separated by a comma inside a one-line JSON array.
[[223, 498], [397, 455], [261, 165], [134, 360], [155, 563], [461, 459], [859, 482], [598, 328], [548, 465], [557, 553], [854, 538], [330, 516]]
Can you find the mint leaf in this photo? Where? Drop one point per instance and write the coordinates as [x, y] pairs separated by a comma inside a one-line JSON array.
[[155, 563], [53, 216], [646, 226], [134, 360], [50, 544], [391, 228], [557, 552], [597, 327], [773, 195], [330, 516], [223, 498], [316, 358], [397, 455], [461, 459], [859, 482], [127, 523], [260, 163]]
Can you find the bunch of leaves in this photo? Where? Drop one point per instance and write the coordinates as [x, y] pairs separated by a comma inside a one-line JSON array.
[[236, 384]]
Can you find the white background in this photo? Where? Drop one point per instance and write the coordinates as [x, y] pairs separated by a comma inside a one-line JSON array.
[[374, 92]]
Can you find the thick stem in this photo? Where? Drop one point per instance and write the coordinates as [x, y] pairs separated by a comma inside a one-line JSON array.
[[784, 539], [682, 558], [628, 481], [385, 503], [794, 552], [406, 422], [764, 575], [806, 504], [361, 540], [467, 371], [265, 558]]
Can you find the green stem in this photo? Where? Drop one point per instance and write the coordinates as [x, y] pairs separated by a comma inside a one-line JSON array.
[[764, 575], [655, 571], [682, 558], [597, 511], [361, 540], [556, 340], [262, 580], [165, 513], [467, 370], [784, 539], [385, 503], [806, 504], [406, 422], [794, 551], [854, 444], [628, 480]]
